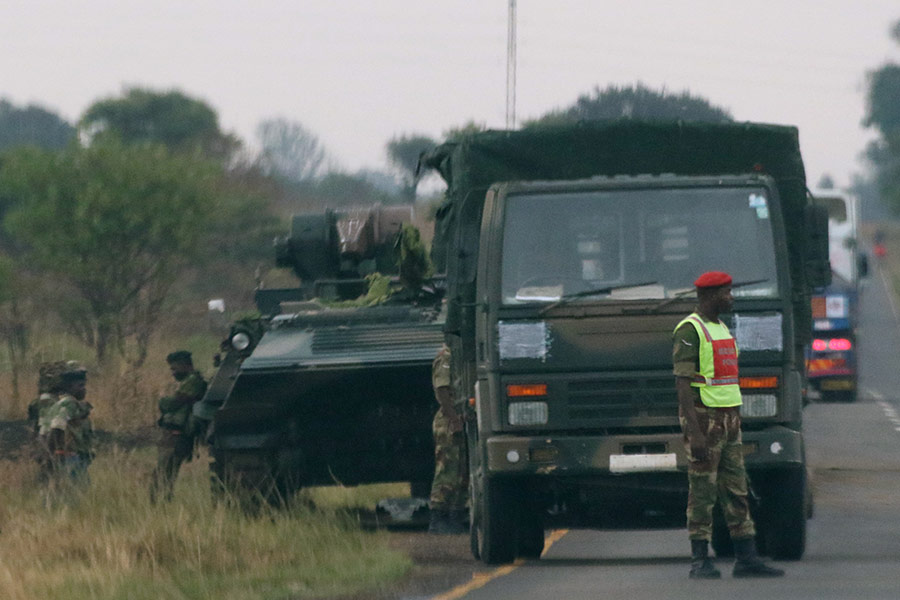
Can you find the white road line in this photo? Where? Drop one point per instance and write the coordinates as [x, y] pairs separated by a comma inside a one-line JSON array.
[[873, 394], [891, 413]]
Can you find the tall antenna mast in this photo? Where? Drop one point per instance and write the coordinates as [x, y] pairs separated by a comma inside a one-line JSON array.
[[511, 67]]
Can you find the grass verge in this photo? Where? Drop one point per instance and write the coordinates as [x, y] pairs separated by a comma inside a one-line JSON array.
[[107, 541]]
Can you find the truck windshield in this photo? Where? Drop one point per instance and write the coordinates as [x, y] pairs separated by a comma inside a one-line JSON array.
[[555, 245]]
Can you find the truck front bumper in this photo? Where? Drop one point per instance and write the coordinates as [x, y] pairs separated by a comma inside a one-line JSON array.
[[574, 455]]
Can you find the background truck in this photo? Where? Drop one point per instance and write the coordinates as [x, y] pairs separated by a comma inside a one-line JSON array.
[[831, 364], [570, 254], [320, 391]]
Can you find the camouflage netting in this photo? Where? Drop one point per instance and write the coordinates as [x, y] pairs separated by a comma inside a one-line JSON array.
[[412, 260], [606, 148]]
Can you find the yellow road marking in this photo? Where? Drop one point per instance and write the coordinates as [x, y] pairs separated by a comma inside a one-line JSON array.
[[479, 580]]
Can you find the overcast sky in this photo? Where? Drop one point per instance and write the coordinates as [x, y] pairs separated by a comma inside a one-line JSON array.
[[357, 72]]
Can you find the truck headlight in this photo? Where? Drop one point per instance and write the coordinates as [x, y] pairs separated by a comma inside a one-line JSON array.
[[759, 405], [527, 413]]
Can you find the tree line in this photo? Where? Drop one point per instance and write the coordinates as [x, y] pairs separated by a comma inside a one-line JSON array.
[[146, 203]]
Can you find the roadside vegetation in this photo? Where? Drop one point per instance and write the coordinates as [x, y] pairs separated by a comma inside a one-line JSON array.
[[108, 542]]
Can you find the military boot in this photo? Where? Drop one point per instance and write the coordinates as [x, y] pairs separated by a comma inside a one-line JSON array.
[[748, 563], [701, 566]]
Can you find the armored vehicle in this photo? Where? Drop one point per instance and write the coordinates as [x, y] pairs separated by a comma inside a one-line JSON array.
[[322, 389], [570, 253]]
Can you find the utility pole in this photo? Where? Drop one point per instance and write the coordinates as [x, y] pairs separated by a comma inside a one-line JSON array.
[[511, 67]]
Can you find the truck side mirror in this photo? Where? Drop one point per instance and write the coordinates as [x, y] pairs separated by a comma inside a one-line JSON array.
[[818, 267]]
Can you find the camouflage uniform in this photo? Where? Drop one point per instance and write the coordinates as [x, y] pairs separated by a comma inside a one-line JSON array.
[[450, 488], [722, 475], [72, 417], [48, 393], [48, 388], [177, 431]]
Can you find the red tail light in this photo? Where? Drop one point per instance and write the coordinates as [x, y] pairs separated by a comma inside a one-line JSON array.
[[835, 344], [840, 344]]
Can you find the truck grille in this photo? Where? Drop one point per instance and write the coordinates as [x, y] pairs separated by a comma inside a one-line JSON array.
[[398, 343], [621, 401]]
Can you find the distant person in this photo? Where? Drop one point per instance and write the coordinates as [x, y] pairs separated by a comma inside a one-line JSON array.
[[48, 390], [49, 381], [705, 359], [450, 488], [178, 428], [65, 427]]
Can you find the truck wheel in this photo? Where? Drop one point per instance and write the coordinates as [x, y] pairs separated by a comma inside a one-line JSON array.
[[531, 534], [493, 529], [785, 518]]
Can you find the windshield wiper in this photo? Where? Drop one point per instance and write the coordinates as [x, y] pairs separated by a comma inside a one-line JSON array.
[[595, 292], [684, 293]]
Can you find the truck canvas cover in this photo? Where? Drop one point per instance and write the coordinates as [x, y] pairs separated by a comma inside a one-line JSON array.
[[473, 163]]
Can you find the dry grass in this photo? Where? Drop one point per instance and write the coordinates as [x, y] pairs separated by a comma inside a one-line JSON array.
[[107, 541]]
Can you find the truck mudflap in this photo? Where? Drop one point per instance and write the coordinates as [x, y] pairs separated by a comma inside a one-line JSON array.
[[774, 447]]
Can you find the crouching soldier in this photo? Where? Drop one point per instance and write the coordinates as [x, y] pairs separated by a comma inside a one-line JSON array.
[[178, 427]]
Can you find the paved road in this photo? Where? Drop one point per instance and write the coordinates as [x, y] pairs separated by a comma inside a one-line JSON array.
[[853, 546]]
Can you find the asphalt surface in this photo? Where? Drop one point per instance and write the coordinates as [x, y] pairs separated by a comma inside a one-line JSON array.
[[853, 547]]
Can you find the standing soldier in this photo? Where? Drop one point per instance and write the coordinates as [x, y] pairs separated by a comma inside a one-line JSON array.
[[176, 422], [65, 427], [705, 359], [450, 488]]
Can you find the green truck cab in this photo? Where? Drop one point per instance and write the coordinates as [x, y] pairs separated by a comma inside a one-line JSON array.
[[570, 254]]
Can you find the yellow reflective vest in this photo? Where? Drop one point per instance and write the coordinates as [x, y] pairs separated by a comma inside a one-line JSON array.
[[717, 380]]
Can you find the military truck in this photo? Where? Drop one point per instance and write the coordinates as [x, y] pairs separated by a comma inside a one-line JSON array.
[[570, 253], [321, 389]]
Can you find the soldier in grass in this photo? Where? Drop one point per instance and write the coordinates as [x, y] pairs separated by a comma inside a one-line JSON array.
[[49, 380], [65, 429], [178, 427], [449, 490]]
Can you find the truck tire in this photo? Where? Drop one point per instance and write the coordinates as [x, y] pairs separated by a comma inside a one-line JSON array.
[[493, 529], [531, 534], [786, 509]]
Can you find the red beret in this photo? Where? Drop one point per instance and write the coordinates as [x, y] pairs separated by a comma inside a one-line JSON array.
[[713, 279]]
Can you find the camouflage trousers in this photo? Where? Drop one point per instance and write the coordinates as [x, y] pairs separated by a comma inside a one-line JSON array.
[[450, 488], [173, 449], [721, 477]]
